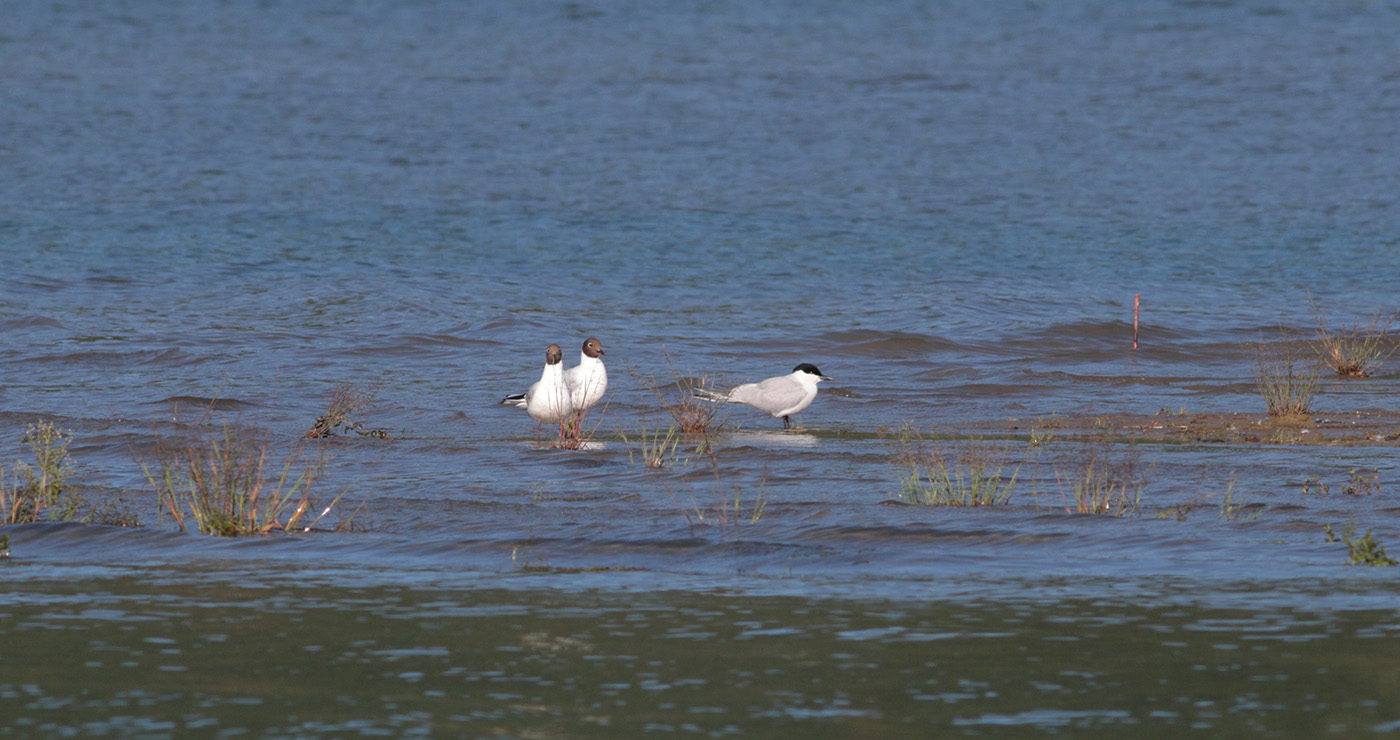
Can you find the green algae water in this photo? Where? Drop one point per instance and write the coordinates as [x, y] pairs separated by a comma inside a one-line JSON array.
[[275, 654]]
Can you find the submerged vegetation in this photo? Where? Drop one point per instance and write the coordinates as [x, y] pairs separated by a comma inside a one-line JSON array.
[[221, 487], [1364, 550]]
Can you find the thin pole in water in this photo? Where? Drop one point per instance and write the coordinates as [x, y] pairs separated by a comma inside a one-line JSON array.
[[1135, 319]]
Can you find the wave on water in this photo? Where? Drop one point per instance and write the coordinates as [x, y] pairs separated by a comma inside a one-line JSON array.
[[885, 344]]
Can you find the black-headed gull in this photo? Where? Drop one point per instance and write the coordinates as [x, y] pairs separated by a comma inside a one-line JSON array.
[[548, 400]]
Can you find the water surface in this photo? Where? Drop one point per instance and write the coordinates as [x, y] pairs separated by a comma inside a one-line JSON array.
[[211, 215]]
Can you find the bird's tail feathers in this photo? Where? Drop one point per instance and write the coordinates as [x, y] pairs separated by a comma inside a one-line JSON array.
[[515, 399], [709, 395]]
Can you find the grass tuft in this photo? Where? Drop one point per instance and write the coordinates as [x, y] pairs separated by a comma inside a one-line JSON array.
[[220, 486], [1358, 350], [973, 479], [1102, 482], [658, 448], [1284, 380], [346, 399]]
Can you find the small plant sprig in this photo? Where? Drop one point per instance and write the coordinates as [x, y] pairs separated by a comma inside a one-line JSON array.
[[1232, 510], [1315, 486], [1364, 550], [1355, 351], [31, 492], [573, 434]]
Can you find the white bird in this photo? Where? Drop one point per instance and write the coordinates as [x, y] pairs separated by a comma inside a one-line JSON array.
[[548, 400], [781, 396], [588, 379]]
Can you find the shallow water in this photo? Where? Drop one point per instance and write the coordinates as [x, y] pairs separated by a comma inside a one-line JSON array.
[[213, 214]]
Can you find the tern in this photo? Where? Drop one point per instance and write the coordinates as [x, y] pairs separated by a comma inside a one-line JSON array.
[[588, 379], [781, 396], [548, 400]]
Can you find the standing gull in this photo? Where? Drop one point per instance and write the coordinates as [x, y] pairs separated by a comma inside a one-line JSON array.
[[547, 401], [588, 379], [781, 396]]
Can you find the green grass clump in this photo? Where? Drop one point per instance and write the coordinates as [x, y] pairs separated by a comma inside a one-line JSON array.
[[1364, 550], [219, 486], [974, 478], [1101, 482], [29, 493], [657, 448]]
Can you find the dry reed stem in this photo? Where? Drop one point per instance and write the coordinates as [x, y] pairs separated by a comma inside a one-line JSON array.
[[690, 413]]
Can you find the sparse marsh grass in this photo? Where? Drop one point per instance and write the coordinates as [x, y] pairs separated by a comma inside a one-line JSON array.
[[1358, 350], [657, 448], [933, 477], [346, 399], [1102, 481], [1233, 510], [1284, 379], [28, 492], [726, 510], [682, 398], [221, 486], [1364, 550]]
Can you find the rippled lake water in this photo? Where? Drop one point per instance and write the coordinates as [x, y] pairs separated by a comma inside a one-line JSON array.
[[211, 215]]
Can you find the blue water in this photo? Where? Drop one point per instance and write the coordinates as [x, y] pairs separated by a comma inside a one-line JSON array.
[[948, 207]]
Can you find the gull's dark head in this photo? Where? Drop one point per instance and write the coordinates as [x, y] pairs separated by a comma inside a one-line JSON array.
[[810, 369], [553, 355], [593, 348]]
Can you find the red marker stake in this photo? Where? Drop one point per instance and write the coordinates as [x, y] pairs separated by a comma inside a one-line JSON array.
[[1135, 319]]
